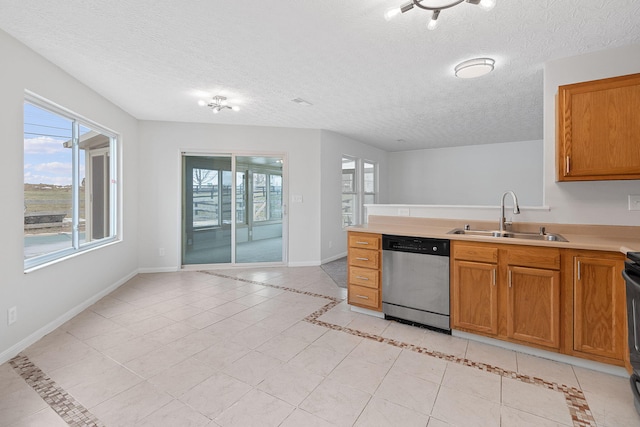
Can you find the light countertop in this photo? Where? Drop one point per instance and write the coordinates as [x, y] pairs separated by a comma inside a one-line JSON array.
[[591, 237]]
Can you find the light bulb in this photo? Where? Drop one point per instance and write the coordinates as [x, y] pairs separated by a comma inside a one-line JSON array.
[[391, 13], [487, 4], [235, 108], [433, 24], [215, 110], [202, 103]]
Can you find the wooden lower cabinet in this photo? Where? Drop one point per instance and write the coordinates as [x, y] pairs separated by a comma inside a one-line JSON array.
[[475, 297], [564, 300], [533, 310], [513, 294], [599, 307], [364, 264]]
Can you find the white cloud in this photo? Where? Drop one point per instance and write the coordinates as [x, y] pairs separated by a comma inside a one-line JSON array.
[[43, 145], [56, 168]]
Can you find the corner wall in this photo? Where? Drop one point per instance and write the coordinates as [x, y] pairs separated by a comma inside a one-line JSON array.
[[333, 147], [50, 295]]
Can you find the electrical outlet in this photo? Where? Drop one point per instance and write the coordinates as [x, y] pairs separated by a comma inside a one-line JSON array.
[[160, 251], [634, 202], [404, 212], [12, 315]]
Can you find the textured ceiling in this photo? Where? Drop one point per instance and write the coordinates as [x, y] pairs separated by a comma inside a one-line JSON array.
[[372, 80]]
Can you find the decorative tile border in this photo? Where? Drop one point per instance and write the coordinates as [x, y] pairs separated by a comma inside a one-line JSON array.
[[72, 412], [576, 402]]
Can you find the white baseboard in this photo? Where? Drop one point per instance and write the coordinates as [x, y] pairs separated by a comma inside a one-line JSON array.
[[557, 357], [50, 327], [303, 264], [333, 258], [158, 270]]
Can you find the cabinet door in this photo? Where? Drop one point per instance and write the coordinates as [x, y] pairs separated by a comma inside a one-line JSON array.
[[475, 297], [599, 307], [533, 312], [598, 129]]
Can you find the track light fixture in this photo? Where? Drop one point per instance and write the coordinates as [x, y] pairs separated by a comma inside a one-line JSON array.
[[218, 103], [436, 9]]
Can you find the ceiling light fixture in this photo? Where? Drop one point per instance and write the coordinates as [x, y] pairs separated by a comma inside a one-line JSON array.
[[436, 8], [218, 103], [474, 68]]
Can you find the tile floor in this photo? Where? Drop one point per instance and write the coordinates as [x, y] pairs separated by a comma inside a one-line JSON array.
[[279, 347]]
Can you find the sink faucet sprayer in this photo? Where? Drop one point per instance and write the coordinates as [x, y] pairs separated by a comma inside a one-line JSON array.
[[516, 209]]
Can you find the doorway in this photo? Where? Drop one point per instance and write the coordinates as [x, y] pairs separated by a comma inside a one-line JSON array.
[[233, 209]]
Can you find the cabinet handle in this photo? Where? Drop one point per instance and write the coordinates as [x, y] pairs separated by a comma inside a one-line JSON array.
[[509, 278], [494, 277], [362, 278], [362, 296], [567, 165], [362, 243], [362, 259], [579, 275]]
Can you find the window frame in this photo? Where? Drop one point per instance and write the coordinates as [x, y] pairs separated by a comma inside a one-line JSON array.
[[359, 194], [365, 193], [78, 121], [354, 193]]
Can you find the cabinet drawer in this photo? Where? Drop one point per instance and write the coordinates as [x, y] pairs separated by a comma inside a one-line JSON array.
[[364, 258], [364, 277], [360, 295], [369, 241], [475, 253], [528, 256]]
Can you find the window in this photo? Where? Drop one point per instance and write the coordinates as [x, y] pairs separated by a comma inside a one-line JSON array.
[[267, 196], [358, 189], [349, 192], [69, 183], [370, 185]]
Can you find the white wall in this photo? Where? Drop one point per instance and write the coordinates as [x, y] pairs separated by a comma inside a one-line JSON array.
[[47, 296], [473, 175], [333, 147], [590, 202], [159, 168]]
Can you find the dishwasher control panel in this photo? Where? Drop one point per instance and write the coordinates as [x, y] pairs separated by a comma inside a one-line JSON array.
[[419, 245]]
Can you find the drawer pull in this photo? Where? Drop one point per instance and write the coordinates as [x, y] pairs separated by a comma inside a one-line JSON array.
[[362, 259], [362, 278], [494, 277], [362, 296], [362, 243]]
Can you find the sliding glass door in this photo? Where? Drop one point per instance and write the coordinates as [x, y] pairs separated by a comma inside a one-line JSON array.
[[212, 198]]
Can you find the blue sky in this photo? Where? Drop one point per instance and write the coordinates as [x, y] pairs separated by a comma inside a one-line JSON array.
[[46, 161]]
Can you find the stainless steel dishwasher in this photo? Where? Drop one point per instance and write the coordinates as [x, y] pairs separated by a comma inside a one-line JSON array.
[[415, 280]]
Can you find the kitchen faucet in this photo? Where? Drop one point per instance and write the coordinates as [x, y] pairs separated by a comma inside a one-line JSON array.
[[516, 209]]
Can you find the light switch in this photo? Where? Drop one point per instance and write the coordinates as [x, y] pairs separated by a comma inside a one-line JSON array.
[[296, 198], [634, 202]]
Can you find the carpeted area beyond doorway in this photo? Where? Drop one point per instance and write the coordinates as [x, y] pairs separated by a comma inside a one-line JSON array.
[[337, 270]]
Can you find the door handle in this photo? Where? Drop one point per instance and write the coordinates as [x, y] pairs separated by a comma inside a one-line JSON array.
[[494, 277], [509, 278], [362, 296], [362, 243], [362, 278], [362, 259]]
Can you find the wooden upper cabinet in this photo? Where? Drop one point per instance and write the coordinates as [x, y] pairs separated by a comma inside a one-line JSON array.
[[598, 130]]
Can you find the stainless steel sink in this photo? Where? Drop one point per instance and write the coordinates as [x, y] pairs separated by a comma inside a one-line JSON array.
[[510, 234]]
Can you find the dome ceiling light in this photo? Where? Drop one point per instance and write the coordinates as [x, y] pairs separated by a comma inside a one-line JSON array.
[[436, 7], [473, 68]]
